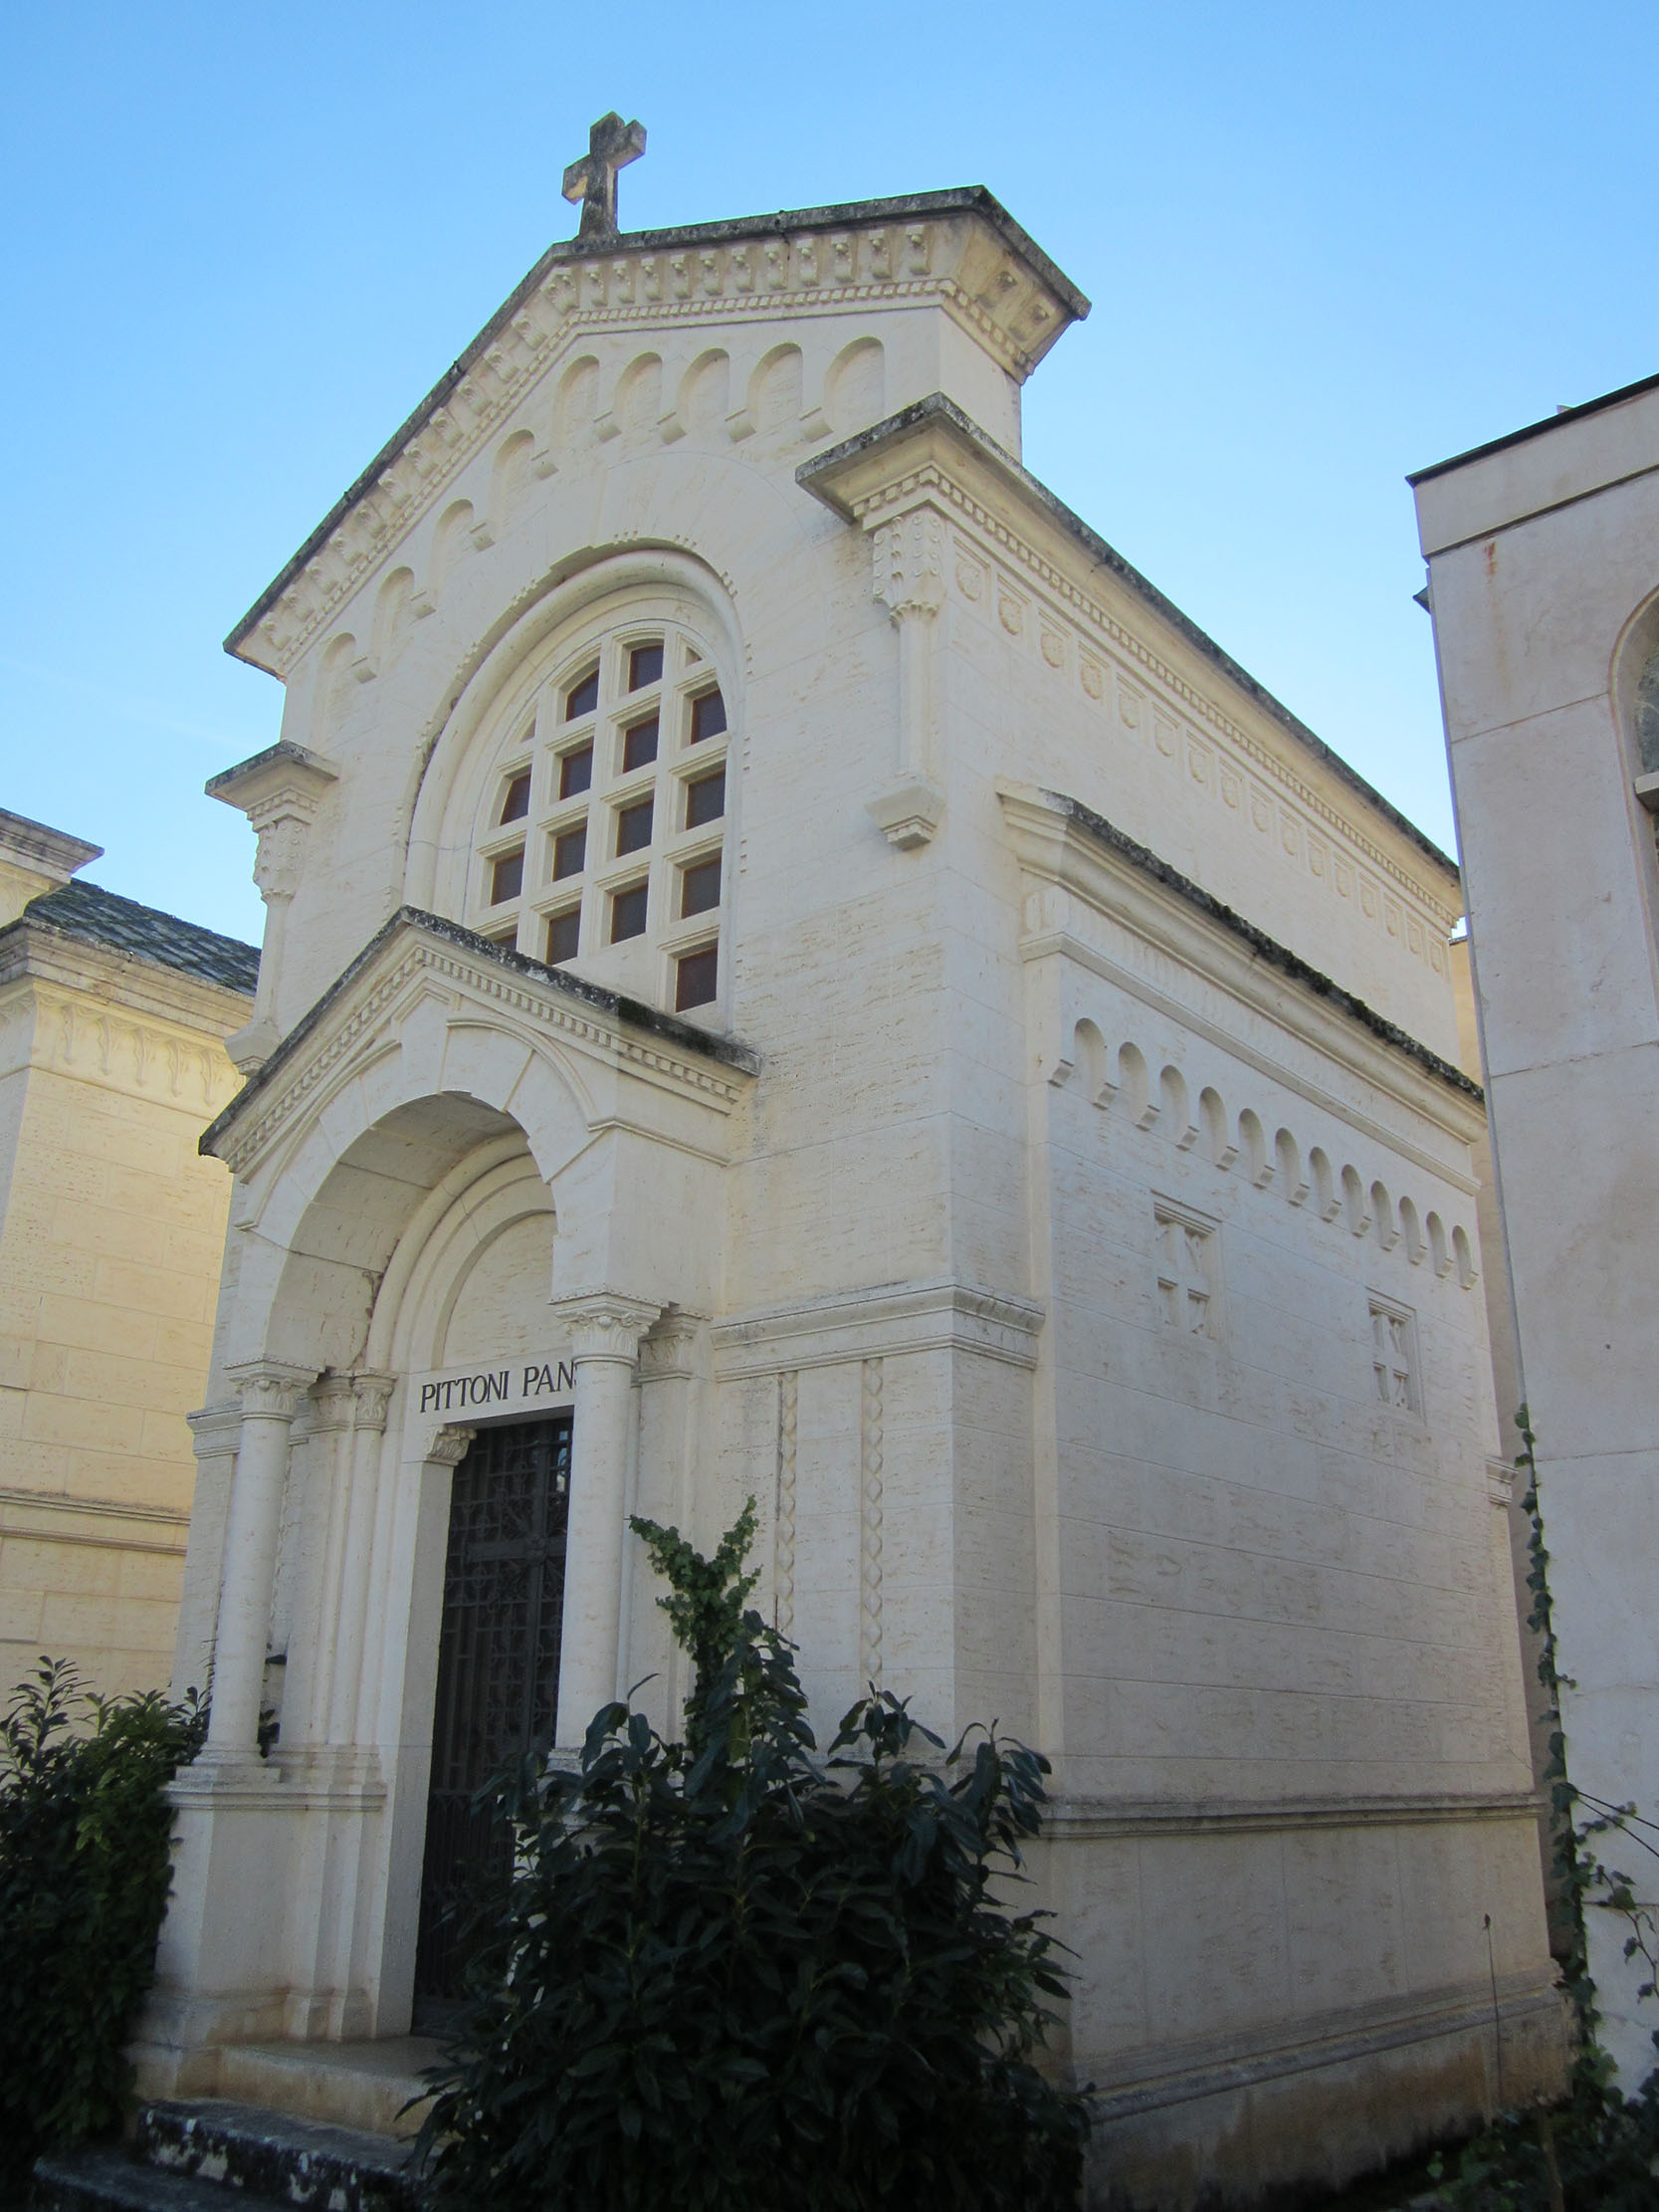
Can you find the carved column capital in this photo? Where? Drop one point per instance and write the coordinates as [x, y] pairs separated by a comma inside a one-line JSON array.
[[371, 1396], [908, 563], [280, 851], [605, 1324], [332, 1403], [269, 1390], [665, 1353], [450, 1447]]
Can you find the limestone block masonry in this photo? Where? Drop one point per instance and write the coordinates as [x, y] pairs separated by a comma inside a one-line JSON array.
[[112, 1020], [1544, 587], [803, 976]]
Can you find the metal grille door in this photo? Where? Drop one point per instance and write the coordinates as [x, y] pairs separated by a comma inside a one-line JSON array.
[[497, 1669]]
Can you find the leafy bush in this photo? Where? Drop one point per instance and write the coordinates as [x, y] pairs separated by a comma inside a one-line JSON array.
[[1599, 2153], [83, 1879], [730, 1975]]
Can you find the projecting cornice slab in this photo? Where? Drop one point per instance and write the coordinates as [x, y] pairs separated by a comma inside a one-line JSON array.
[[931, 449], [417, 954], [1167, 938]]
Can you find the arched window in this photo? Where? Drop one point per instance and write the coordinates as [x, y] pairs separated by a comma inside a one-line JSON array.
[[602, 831]]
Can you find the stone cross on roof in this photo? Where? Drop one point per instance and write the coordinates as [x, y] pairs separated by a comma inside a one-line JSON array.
[[611, 144]]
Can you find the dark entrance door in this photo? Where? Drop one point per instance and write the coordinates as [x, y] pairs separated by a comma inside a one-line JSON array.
[[497, 1671]]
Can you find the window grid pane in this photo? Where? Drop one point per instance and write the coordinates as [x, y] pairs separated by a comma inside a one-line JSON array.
[[695, 977], [639, 745], [705, 800], [699, 886], [633, 827], [628, 913], [624, 694], [708, 716], [563, 935]]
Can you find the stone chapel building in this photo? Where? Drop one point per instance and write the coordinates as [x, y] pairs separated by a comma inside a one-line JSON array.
[[792, 970]]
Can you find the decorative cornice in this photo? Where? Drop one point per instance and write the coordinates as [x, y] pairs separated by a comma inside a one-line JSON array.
[[888, 1319], [630, 1036], [41, 850], [959, 249], [216, 1428], [1058, 841], [1080, 1817], [82, 1029], [917, 454]]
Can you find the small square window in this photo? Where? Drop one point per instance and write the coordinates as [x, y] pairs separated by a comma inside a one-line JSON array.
[[633, 827], [628, 913], [563, 934], [575, 772], [1394, 1356], [705, 800], [639, 745], [506, 877], [508, 940], [583, 695], [644, 666], [570, 854], [695, 977], [699, 886], [516, 803], [708, 716]]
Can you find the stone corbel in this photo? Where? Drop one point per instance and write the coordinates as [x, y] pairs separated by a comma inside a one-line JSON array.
[[278, 790], [907, 556]]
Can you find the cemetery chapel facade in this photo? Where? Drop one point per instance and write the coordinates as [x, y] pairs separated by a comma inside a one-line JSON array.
[[792, 971]]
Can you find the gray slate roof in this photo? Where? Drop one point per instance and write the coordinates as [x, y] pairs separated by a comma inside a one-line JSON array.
[[100, 916]]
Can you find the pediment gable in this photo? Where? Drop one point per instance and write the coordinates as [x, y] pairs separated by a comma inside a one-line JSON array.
[[957, 249], [600, 1037]]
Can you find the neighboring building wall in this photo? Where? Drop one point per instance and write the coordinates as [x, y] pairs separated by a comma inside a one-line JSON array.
[[1545, 584], [111, 1065]]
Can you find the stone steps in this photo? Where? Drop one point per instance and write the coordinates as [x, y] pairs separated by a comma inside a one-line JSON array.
[[207, 2154]]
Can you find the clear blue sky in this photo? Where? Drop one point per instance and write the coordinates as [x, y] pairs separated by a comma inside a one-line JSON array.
[[1325, 244]]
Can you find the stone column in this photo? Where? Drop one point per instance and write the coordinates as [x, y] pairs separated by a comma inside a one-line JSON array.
[[306, 1690], [907, 554], [606, 1329], [271, 1395], [666, 1368], [370, 1397], [214, 1430]]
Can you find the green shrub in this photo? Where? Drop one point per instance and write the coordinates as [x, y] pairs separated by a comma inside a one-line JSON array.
[[83, 1879], [1598, 2152], [729, 1974]]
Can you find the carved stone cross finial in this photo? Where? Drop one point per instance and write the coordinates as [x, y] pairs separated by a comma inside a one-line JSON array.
[[611, 145]]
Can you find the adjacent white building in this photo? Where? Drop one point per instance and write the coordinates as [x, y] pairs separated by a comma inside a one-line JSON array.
[[1544, 582], [792, 970]]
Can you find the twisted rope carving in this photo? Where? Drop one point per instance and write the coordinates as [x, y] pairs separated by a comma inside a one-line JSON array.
[[870, 1561], [788, 1414]]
